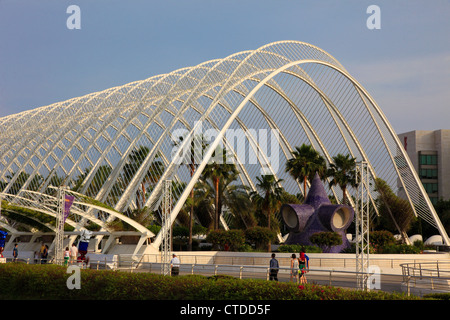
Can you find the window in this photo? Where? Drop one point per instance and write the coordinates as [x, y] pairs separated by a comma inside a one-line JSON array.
[[433, 200], [428, 174], [431, 187], [428, 159]]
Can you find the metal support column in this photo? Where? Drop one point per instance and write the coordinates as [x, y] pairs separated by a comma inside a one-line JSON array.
[[362, 225], [166, 228], [59, 238]]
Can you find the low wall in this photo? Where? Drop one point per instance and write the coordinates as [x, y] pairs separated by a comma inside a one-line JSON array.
[[388, 263]]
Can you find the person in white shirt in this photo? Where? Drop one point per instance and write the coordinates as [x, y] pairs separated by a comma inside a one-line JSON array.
[[73, 253], [66, 256], [175, 265]]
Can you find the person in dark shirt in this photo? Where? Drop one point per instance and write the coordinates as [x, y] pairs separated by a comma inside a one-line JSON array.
[[274, 267], [15, 252]]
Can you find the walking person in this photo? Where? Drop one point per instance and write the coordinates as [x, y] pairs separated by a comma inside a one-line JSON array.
[[175, 265], [66, 256], [45, 254], [41, 252], [294, 268], [302, 265], [273, 268], [15, 252], [73, 253]]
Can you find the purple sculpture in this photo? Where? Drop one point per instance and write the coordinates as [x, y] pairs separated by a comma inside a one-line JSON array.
[[317, 214]]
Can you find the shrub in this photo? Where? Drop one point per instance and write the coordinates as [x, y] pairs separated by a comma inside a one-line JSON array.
[[401, 249], [260, 236], [296, 248], [380, 239], [438, 296], [235, 239], [326, 240], [21, 281]]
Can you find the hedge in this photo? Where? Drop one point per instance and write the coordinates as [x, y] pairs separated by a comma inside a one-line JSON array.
[[21, 281]]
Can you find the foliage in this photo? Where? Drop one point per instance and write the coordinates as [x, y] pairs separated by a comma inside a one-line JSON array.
[[271, 197], [427, 230], [343, 173], [326, 240], [27, 216], [380, 239], [22, 281], [217, 172], [438, 296], [400, 249], [221, 238], [96, 202], [296, 248], [304, 164], [393, 208], [183, 232], [269, 201], [260, 236]]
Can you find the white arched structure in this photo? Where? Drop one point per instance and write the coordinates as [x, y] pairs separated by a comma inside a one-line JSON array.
[[270, 100]]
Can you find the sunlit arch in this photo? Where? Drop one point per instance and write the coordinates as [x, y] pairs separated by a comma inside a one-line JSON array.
[[293, 87]]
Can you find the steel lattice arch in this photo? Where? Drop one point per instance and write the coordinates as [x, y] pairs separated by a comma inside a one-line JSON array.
[[293, 91]]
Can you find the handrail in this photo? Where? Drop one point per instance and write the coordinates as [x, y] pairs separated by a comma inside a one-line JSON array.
[[344, 262], [407, 268], [416, 274], [413, 274]]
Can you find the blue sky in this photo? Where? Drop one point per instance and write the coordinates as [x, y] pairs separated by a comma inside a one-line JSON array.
[[405, 65]]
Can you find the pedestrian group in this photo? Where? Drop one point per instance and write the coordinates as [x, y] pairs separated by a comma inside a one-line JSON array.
[[299, 267]]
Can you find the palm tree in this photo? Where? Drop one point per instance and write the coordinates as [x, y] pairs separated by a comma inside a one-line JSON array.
[[272, 195], [217, 172], [271, 198], [305, 163], [192, 167], [135, 160], [232, 196], [343, 173]]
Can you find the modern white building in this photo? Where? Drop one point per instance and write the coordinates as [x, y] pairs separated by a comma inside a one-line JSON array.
[[114, 150], [429, 152]]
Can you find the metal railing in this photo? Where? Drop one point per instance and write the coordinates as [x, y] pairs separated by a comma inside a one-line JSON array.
[[416, 278], [424, 277], [316, 262], [327, 277]]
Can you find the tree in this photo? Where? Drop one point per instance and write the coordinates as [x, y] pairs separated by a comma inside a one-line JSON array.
[[218, 172], [306, 161], [197, 141], [399, 210], [325, 240], [343, 173], [20, 181], [270, 200], [98, 180], [272, 195], [220, 239], [153, 174], [260, 236], [230, 195]]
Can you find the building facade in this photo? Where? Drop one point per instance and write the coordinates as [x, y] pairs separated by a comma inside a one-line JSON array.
[[429, 152]]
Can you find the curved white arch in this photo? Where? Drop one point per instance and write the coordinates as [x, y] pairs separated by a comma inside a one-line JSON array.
[[220, 93]]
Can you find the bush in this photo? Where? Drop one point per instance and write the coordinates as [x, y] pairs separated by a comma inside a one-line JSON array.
[[260, 236], [438, 296], [401, 249], [326, 240], [296, 248], [235, 239], [21, 281], [380, 239]]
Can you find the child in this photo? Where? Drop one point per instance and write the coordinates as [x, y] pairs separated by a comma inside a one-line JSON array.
[[66, 256]]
